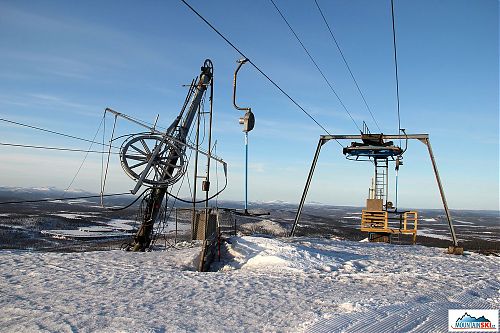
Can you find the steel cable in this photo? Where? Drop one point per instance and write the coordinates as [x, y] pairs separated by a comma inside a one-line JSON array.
[[316, 65], [257, 68], [347, 65]]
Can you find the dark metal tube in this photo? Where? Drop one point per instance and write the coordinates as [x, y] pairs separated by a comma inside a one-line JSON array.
[[441, 192], [241, 62], [306, 188]]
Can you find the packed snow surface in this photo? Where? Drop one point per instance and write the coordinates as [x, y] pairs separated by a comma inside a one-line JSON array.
[[265, 226], [432, 233], [83, 233], [112, 228], [260, 285], [121, 224], [73, 216]]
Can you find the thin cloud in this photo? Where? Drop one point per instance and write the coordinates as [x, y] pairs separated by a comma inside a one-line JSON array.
[[47, 101], [76, 61]]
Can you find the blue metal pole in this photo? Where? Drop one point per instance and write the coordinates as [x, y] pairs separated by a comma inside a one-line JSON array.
[[246, 172], [396, 190]]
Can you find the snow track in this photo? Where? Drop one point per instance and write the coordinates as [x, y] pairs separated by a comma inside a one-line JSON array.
[[415, 315], [261, 285]]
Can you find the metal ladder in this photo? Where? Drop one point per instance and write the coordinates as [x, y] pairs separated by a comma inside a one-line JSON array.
[[396, 238], [381, 179]]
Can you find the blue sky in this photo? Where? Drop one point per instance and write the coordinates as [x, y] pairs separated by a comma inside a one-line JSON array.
[[62, 63]]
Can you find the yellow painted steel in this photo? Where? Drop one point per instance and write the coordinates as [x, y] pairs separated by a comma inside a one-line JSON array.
[[378, 221]]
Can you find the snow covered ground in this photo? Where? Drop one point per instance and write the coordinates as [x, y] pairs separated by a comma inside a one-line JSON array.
[[265, 226], [261, 285]]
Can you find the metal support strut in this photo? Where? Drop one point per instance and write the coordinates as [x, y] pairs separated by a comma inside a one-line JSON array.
[[441, 192], [308, 183]]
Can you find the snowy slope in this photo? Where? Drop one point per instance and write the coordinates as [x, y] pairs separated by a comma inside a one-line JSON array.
[[262, 285]]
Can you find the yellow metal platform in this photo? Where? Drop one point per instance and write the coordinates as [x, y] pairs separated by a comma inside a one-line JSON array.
[[383, 222]]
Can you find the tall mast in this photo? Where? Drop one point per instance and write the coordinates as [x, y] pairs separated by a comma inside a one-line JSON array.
[[166, 158]]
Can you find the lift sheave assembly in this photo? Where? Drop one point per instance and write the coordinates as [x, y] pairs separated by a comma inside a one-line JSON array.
[[157, 160], [373, 147]]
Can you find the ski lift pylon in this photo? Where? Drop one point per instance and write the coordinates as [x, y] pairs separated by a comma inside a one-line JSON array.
[[424, 138]]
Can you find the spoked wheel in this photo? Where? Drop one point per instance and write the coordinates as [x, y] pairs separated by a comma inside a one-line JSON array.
[[167, 166]]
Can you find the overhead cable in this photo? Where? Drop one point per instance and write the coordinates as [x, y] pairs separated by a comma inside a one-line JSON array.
[[316, 65], [50, 131], [53, 148], [395, 62], [105, 176], [62, 199], [256, 67], [347, 65], [86, 155]]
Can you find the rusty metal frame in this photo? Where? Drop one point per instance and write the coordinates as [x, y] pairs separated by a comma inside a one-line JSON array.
[[424, 138]]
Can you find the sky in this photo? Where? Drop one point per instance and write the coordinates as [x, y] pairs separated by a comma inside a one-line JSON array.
[[62, 63]]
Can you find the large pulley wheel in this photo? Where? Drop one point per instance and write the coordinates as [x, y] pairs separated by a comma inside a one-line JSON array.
[[168, 165]]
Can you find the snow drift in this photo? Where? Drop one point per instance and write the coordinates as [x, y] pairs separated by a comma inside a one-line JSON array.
[[260, 285]]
